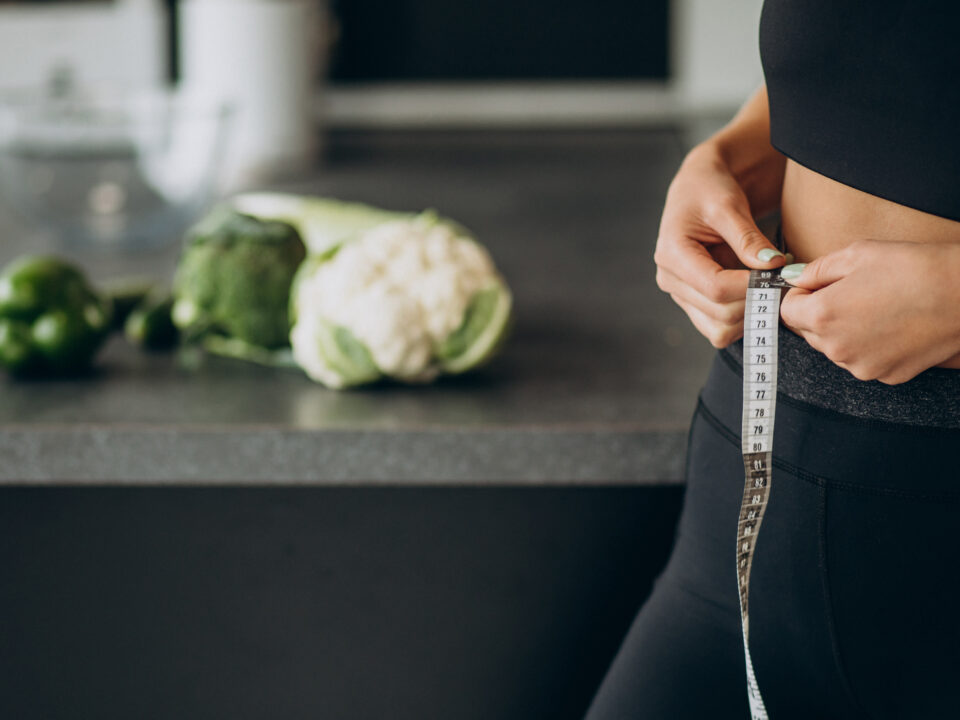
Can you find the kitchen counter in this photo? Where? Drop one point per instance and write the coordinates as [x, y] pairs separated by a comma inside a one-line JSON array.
[[596, 385], [472, 549]]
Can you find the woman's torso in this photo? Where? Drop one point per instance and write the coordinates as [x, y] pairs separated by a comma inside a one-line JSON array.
[[820, 215], [864, 94]]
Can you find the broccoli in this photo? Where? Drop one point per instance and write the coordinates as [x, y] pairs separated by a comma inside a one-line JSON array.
[[233, 279]]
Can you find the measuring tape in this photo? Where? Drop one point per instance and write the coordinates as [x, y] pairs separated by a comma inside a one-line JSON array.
[[761, 320]]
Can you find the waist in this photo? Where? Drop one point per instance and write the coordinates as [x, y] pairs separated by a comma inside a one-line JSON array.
[[821, 215], [837, 449], [931, 399]]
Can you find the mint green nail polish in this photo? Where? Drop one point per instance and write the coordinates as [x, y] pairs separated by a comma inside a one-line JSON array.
[[768, 254], [792, 272], [789, 258]]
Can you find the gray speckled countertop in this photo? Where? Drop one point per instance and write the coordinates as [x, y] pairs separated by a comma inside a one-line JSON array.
[[596, 386]]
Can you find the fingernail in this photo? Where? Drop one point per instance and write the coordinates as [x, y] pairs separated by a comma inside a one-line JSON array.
[[768, 254], [792, 272], [789, 257]]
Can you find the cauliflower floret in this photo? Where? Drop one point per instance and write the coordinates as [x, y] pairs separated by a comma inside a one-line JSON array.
[[400, 288], [390, 323]]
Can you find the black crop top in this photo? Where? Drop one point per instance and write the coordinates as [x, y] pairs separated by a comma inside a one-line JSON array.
[[867, 92]]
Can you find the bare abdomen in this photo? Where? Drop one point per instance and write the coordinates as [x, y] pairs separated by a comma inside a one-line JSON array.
[[820, 215]]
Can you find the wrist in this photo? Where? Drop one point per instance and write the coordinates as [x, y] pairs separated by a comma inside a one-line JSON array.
[[756, 167], [708, 153]]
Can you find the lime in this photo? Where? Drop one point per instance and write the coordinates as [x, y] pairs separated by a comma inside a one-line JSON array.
[[125, 294], [149, 325]]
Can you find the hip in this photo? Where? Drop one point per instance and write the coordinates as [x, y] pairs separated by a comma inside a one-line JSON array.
[[852, 588], [808, 379]]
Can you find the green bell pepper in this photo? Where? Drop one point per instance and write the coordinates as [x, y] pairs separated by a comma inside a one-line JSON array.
[[52, 322]]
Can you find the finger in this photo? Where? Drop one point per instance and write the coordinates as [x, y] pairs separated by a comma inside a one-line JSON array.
[[736, 226], [823, 271], [819, 344], [719, 335], [727, 313], [799, 311], [690, 261], [725, 256]]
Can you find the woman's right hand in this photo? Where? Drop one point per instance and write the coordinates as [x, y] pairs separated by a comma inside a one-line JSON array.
[[707, 239]]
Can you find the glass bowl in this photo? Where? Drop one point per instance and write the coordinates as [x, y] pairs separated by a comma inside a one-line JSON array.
[[111, 168]]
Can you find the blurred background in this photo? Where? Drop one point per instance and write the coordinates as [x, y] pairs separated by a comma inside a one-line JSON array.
[[471, 62], [120, 121], [476, 548], [313, 66]]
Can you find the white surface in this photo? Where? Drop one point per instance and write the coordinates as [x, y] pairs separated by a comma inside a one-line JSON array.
[[262, 56], [716, 55], [492, 104], [121, 43]]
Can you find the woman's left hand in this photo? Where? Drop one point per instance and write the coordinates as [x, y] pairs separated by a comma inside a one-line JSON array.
[[883, 310]]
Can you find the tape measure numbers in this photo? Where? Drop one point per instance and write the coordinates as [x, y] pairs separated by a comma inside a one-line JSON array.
[[761, 322]]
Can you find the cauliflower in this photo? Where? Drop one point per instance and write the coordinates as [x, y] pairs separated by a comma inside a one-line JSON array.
[[408, 298]]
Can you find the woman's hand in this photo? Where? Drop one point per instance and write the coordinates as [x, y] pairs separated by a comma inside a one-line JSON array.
[[707, 236], [883, 310]]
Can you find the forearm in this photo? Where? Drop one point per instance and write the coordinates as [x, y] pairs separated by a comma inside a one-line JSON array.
[[743, 146]]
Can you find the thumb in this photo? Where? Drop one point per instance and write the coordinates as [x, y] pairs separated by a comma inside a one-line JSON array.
[[741, 233], [816, 274]]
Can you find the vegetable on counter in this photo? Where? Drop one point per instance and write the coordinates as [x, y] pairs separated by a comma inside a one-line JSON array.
[[323, 223], [382, 294], [51, 320], [406, 299], [124, 295], [233, 280], [150, 324]]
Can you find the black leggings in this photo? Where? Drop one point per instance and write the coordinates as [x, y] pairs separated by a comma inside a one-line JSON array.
[[854, 588]]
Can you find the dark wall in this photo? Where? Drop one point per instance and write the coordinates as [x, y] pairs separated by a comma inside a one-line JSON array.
[[291, 603], [402, 40], [501, 39]]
